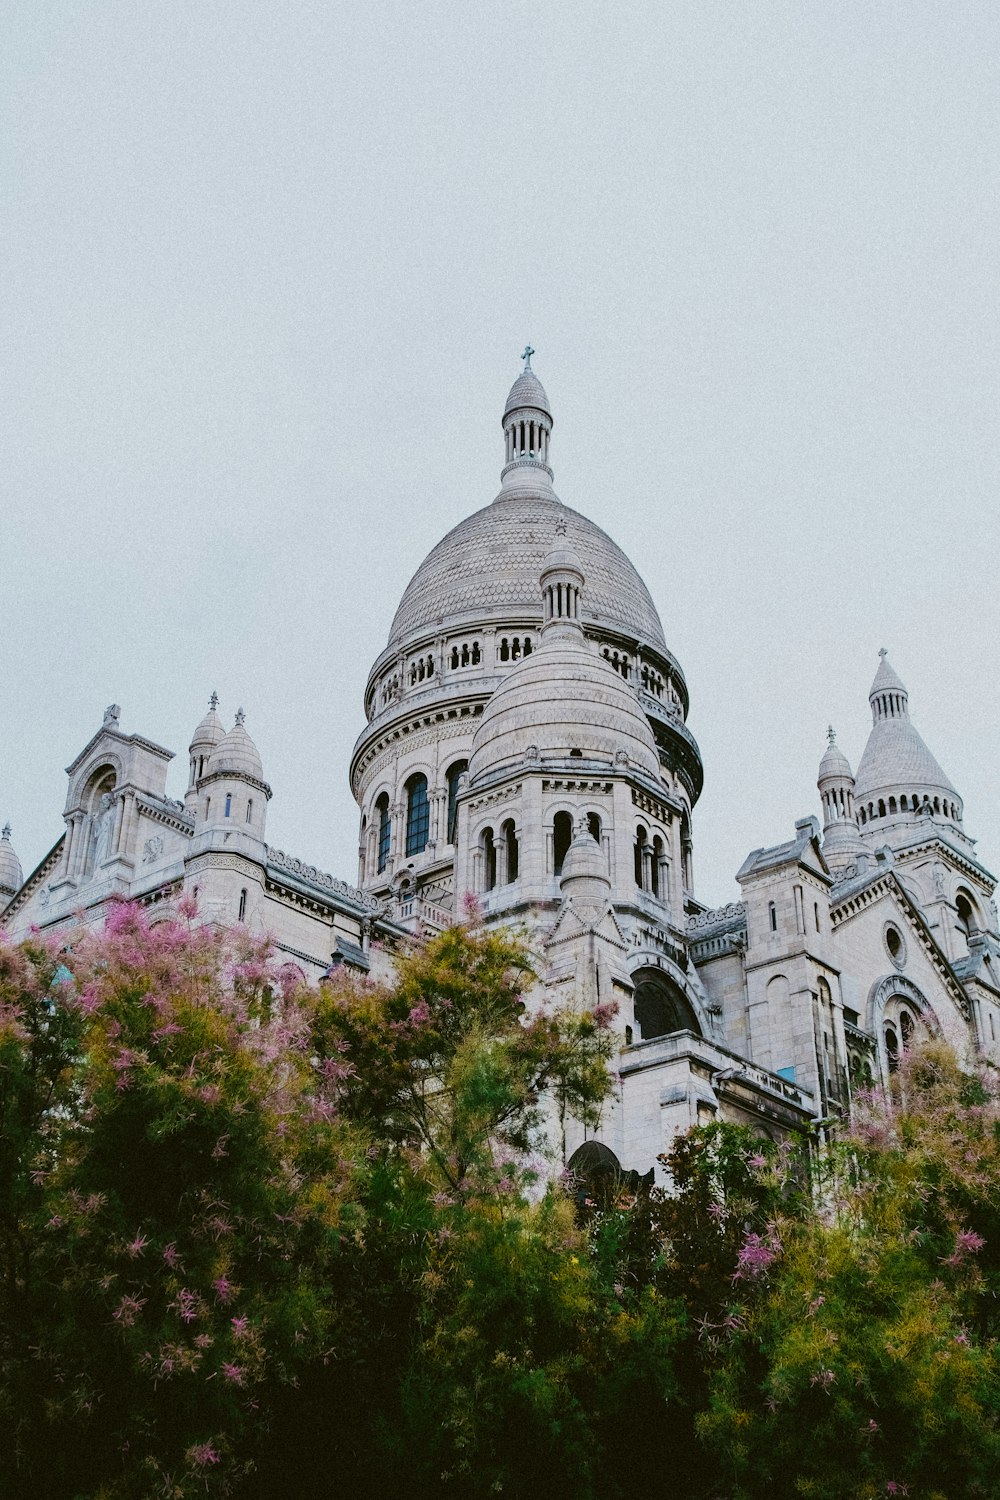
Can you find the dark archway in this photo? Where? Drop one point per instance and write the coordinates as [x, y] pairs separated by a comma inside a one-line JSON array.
[[661, 1005]]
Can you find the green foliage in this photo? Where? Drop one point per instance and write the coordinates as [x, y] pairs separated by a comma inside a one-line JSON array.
[[259, 1240]]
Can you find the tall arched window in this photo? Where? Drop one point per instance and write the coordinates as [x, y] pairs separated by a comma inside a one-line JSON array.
[[489, 852], [384, 830], [453, 775], [229, 803], [966, 914], [418, 814], [243, 906], [657, 863], [509, 837], [562, 837], [641, 840]]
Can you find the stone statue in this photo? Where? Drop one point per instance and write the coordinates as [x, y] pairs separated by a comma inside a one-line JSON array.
[[104, 827]]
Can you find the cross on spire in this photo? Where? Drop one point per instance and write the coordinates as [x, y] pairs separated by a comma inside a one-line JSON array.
[[240, 716], [526, 356], [883, 652], [6, 833], [831, 734], [213, 702]]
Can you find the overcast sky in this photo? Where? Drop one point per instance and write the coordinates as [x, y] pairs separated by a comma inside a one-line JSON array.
[[266, 272]]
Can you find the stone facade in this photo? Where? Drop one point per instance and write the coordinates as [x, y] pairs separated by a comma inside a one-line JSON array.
[[526, 742]]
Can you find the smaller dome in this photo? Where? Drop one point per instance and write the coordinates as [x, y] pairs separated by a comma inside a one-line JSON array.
[[11, 877], [834, 764], [237, 755], [527, 390], [210, 731], [565, 700]]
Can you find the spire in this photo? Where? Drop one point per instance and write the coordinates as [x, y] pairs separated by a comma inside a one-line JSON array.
[[527, 427], [842, 841], [897, 774], [208, 733], [240, 718], [887, 696]]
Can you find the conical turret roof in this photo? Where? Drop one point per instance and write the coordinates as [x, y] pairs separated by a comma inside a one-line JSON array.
[[895, 759]]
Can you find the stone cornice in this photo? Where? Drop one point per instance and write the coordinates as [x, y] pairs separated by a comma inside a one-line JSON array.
[[211, 777]]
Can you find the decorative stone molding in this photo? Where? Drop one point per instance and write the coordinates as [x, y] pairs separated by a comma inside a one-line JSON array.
[[350, 893], [489, 799], [652, 806], [736, 911]]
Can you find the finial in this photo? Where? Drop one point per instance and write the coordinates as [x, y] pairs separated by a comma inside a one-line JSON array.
[[213, 702], [831, 734], [6, 833], [240, 716], [560, 528], [883, 652], [526, 356], [112, 713]]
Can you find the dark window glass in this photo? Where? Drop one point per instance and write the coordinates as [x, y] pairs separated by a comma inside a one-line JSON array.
[[418, 815], [384, 831], [454, 772], [562, 837]]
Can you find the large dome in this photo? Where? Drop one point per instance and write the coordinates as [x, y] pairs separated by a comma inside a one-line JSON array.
[[488, 565]]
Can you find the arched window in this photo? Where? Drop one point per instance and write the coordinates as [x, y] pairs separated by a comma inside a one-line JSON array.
[[243, 906], [363, 850], [509, 836], [384, 830], [489, 852], [641, 838], [562, 837], [249, 809], [661, 1005], [229, 803], [772, 916], [454, 773], [418, 814], [594, 825], [966, 914], [655, 872]]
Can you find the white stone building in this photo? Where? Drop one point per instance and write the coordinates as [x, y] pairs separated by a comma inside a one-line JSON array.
[[526, 742]]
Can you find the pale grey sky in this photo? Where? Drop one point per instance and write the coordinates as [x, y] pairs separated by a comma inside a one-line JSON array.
[[267, 270]]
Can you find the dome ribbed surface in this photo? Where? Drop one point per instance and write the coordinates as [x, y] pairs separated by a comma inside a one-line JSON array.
[[563, 697], [237, 755], [834, 763], [209, 732], [887, 680], [896, 758], [527, 390], [11, 878], [488, 567]]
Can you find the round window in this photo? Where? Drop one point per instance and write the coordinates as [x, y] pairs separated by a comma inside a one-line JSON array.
[[895, 945]]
